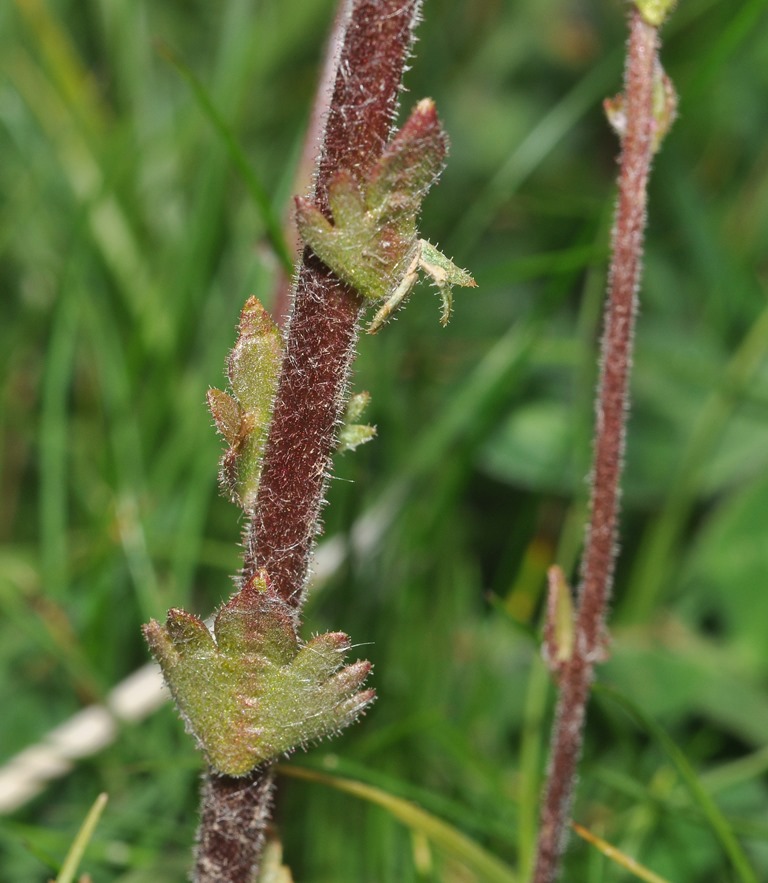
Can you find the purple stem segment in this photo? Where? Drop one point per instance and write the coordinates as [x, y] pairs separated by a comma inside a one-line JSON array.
[[324, 322], [304, 174], [234, 817], [610, 429], [320, 343]]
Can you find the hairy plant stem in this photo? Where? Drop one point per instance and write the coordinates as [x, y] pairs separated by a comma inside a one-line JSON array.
[[324, 322], [311, 394], [303, 176], [610, 428]]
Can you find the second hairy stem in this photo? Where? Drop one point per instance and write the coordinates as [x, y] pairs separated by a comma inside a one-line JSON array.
[[610, 429]]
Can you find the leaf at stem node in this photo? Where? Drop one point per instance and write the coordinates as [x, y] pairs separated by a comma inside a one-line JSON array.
[[251, 691]]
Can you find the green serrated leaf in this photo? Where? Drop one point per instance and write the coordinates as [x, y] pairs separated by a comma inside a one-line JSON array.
[[352, 435], [243, 418], [251, 691], [372, 242]]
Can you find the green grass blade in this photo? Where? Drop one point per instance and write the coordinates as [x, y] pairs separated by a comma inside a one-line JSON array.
[[749, 768], [740, 28], [618, 857], [80, 843], [54, 440], [237, 155], [700, 796], [125, 440], [65, 66], [449, 839], [658, 546], [532, 748], [530, 153], [110, 227]]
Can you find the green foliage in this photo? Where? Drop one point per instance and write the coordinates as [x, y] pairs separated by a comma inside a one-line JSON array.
[[80, 843], [250, 691], [243, 418], [474, 858], [372, 243], [128, 245], [353, 434]]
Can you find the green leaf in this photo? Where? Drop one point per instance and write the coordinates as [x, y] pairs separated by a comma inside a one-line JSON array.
[[450, 839], [700, 796], [243, 418], [251, 691], [353, 434], [372, 243], [81, 841]]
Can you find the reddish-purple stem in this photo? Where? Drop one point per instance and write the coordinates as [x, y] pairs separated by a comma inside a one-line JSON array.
[[311, 393], [234, 816], [610, 424], [306, 167], [323, 325]]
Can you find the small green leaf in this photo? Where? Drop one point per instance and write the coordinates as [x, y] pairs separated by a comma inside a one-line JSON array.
[[226, 415], [664, 105], [664, 108], [81, 841], [352, 434], [372, 242], [251, 691], [243, 418]]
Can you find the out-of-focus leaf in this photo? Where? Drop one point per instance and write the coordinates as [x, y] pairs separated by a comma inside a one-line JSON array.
[[449, 839], [726, 573]]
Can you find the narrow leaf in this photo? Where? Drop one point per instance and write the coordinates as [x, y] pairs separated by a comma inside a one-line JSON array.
[[81, 841], [237, 155], [617, 856], [700, 796], [451, 840]]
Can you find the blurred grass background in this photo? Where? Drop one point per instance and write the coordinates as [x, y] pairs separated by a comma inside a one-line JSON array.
[[128, 243]]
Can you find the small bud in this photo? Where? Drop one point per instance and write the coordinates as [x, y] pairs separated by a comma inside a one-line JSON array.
[[664, 105], [226, 415], [655, 12], [617, 114], [272, 868], [559, 625], [664, 108], [243, 418]]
